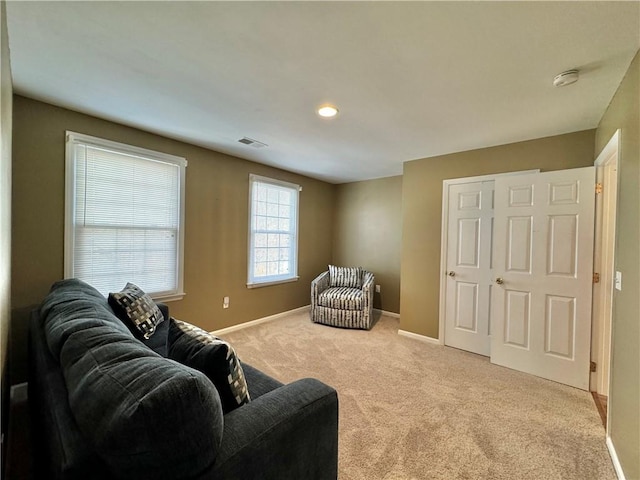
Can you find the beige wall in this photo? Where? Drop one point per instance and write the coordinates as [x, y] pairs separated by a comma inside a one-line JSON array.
[[6, 99], [368, 233], [624, 401], [216, 221], [422, 210]]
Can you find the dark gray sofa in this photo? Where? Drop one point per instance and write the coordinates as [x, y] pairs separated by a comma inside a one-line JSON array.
[[104, 406]]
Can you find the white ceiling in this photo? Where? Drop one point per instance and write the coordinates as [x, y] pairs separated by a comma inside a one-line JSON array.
[[411, 80]]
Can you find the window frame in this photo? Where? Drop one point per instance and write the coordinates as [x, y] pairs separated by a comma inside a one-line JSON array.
[[71, 140], [252, 281]]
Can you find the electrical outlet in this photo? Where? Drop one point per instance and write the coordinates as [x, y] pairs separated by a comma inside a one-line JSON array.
[[377, 288], [618, 281], [225, 302]]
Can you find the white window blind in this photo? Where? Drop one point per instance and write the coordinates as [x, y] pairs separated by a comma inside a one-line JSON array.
[[273, 231], [124, 211]]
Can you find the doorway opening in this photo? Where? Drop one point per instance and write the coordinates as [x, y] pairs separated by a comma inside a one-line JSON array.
[[604, 268]]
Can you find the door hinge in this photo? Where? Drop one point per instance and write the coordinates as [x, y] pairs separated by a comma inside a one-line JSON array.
[[592, 366], [598, 188], [596, 278]]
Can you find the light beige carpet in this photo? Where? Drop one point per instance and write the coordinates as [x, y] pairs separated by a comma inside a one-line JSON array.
[[413, 410]]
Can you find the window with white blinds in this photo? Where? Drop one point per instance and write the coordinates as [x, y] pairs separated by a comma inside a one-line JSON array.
[[273, 231], [124, 216]]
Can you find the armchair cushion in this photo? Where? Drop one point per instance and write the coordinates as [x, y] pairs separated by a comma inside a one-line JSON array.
[[212, 356], [345, 276], [342, 298]]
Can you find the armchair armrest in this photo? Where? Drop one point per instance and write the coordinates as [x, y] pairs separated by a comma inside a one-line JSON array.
[[290, 432], [318, 285], [368, 286], [321, 282], [368, 281]]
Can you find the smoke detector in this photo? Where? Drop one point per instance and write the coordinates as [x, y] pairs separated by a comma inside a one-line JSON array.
[[565, 78]]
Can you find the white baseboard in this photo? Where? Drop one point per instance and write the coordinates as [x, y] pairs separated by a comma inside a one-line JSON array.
[[258, 321], [614, 459], [416, 336], [388, 314]]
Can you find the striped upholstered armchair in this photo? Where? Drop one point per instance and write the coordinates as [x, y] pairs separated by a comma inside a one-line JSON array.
[[343, 297]]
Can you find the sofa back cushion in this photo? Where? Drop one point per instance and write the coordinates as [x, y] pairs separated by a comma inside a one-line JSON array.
[[146, 416], [74, 305], [62, 451]]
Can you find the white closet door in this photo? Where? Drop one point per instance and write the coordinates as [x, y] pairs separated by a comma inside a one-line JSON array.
[[543, 256], [468, 288]]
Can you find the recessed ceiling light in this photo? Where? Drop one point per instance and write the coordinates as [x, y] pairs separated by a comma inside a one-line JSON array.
[[327, 111]]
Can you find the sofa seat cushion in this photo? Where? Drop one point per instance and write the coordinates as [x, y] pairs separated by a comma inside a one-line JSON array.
[[342, 298], [258, 382]]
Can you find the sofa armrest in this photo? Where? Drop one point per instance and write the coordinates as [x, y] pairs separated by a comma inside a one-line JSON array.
[[290, 432]]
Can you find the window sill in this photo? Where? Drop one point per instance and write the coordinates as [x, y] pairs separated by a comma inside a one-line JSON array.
[[169, 297], [274, 282]]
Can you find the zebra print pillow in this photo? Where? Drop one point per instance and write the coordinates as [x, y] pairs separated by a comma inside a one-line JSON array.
[[345, 276]]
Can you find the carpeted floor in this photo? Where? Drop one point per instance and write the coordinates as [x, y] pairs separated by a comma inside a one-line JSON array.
[[413, 410]]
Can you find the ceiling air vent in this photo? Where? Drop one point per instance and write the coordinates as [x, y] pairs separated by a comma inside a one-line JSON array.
[[252, 143]]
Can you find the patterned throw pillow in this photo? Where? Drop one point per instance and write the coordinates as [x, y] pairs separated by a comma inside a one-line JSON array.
[[345, 276], [212, 356], [136, 308]]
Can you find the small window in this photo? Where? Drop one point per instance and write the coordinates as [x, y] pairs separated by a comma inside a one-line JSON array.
[[273, 231], [124, 212]]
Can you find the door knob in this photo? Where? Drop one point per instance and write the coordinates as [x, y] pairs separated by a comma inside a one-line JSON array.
[[452, 273], [499, 281]]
